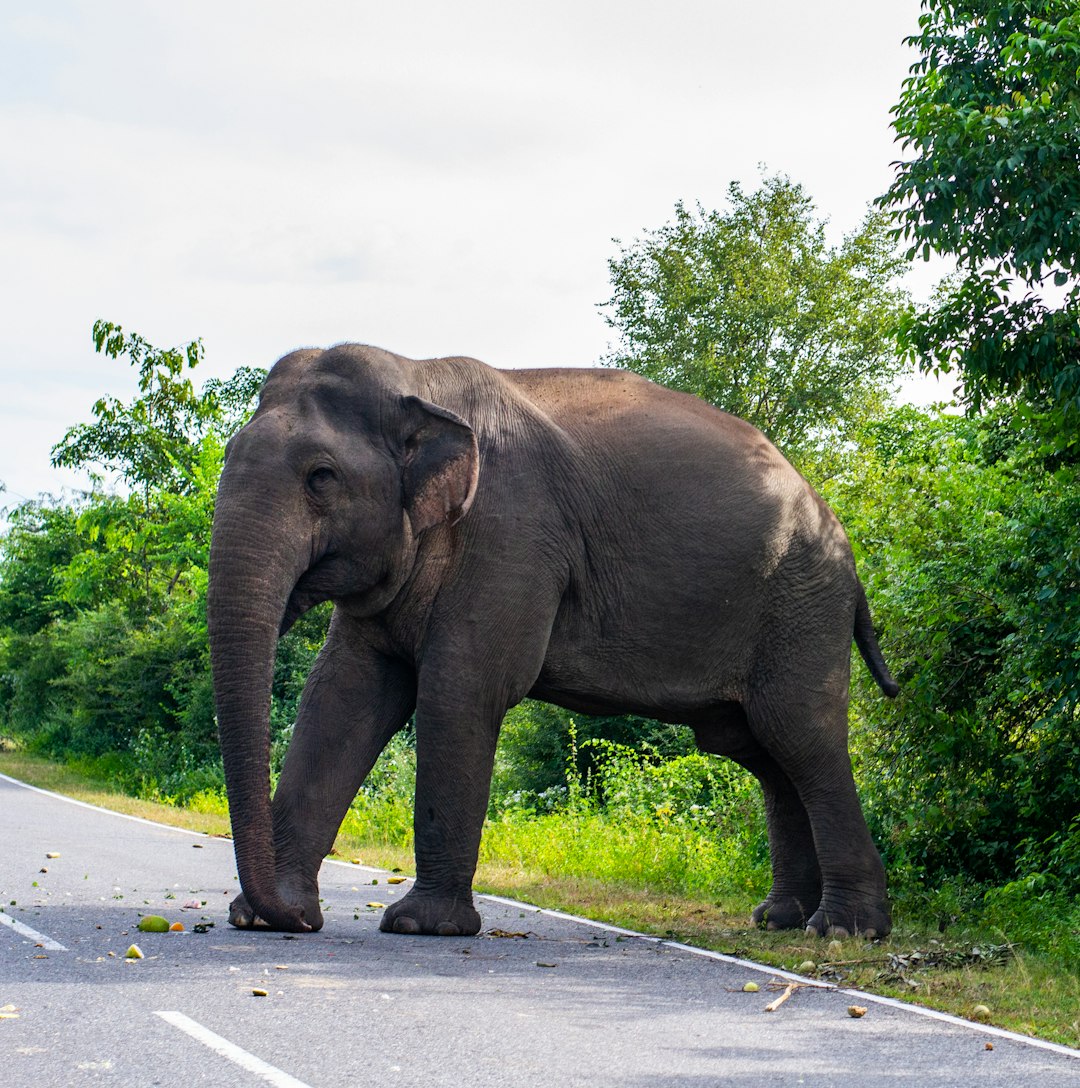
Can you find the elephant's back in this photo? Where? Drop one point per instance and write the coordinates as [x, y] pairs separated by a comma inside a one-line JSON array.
[[659, 441]]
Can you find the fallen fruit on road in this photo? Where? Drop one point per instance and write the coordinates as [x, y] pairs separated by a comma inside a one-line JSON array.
[[258, 993], [375, 906], [750, 988], [176, 927], [153, 923], [134, 953], [395, 880], [856, 1010]]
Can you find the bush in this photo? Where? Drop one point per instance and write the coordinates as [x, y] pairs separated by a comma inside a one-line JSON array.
[[969, 540]]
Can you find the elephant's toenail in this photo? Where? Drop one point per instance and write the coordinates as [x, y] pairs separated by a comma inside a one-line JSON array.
[[406, 925], [448, 929]]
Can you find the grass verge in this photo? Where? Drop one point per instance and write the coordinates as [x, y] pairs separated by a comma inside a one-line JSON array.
[[1034, 994]]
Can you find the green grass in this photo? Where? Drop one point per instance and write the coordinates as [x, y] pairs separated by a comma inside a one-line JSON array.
[[653, 876]]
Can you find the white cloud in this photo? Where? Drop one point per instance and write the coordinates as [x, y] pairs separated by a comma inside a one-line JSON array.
[[436, 178]]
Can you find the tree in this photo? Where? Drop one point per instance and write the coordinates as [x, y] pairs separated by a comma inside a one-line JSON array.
[[153, 441], [166, 445], [967, 536], [751, 310], [991, 115]]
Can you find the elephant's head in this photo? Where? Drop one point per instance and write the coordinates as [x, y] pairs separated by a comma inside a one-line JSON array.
[[324, 495]]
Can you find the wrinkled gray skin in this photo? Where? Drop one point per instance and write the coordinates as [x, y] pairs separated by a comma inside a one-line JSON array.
[[579, 536]]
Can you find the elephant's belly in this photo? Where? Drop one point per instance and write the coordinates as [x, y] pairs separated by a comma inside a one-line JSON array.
[[668, 684]]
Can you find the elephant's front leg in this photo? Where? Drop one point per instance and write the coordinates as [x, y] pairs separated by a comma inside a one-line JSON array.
[[353, 703], [455, 753]]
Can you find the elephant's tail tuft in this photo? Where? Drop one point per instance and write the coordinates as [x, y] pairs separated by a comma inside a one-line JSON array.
[[866, 640]]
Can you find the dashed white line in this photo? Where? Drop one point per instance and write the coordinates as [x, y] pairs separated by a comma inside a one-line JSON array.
[[32, 934], [270, 1073]]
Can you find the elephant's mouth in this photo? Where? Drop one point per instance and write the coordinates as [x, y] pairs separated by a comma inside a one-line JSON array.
[[317, 584]]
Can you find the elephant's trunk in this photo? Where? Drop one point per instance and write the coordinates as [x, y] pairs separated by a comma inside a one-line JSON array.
[[251, 576]]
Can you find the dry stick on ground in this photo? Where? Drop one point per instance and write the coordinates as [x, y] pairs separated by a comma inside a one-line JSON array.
[[789, 990]]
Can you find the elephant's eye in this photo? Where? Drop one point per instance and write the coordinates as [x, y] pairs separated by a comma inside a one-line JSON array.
[[320, 480]]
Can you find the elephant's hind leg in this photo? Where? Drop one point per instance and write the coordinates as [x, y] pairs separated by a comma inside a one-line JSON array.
[[796, 887], [805, 736]]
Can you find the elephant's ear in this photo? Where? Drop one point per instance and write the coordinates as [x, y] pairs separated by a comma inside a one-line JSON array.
[[442, 464]]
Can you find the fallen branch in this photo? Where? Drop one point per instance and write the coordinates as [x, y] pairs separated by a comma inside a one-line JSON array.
[[788, 991]]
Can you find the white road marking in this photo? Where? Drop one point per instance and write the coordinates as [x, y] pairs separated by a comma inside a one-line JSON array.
[[234, 1053], [98, 808], [32, 934], [774, 972], [889, 1002]]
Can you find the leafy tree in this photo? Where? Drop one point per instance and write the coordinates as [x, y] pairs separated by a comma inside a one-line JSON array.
[[968, 536], [166, 446], [753, 311], [103, 644], [990, 116], [150, 441]]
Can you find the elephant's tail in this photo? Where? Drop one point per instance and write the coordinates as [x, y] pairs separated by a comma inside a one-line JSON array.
[[866, 640]]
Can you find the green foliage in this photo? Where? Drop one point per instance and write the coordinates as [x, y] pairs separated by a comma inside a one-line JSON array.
[[382, 812], [969, 540], [990, 116], [152, 440], [538, 740], [752, 311], [103, 643], [689, 825]]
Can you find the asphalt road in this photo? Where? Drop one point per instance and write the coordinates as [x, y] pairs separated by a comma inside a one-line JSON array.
[[570, 1003]]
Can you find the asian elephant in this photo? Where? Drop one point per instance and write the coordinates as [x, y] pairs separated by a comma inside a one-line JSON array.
[[579, 536]]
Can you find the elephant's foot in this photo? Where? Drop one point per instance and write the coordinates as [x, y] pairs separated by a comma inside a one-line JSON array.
[[780, 911], [438, 916], [870, 918], [242, 916]]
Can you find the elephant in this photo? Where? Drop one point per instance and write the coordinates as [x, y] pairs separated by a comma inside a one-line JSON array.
[[579, 536]]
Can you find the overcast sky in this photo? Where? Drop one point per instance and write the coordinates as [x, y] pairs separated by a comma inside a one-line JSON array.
[[432, 177]]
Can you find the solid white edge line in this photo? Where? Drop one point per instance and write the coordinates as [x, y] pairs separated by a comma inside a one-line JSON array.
[[229, 1050], [774, 972], [890, 1002], [98, 808], [31, 934], [151, 823]]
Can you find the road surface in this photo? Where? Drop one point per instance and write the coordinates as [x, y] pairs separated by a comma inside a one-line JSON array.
[[570, 1003]]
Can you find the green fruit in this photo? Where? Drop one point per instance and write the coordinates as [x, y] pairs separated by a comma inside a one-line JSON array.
[[751, 988], [153, 923], [807, 967], [134, 953]]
